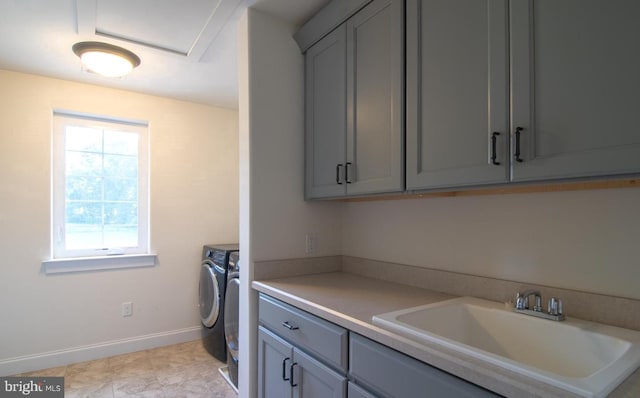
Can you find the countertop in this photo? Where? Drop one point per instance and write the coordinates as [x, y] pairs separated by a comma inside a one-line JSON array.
[[351, 300]]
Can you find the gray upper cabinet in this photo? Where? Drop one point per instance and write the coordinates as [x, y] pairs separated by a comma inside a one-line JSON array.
[[496, 91], [375, 161], [326, 115], [354, 105], [521, 90], [575, 87], [457, 93]]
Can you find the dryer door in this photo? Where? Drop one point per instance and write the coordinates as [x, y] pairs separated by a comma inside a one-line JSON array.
[[209, 295], [231, 315]]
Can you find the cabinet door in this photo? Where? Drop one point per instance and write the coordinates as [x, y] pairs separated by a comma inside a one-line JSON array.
[[457, 93], [274, 361], [575, 88], [375, 53], [393, 374], [315, 380], [354, 391], [325, 116]]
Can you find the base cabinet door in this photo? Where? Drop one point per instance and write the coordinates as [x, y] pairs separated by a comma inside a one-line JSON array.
[[314, 380], [389, 373], [285, 371], [274, 365], [355, 391]]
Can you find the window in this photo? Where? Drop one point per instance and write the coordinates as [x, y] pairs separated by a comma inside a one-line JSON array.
[[100, 187]]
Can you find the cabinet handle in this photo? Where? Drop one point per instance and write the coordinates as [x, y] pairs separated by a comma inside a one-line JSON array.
[[517, 154], [291, 383], [284, 369], [347, 173], [338, 180], [289, 326], [494, 156]]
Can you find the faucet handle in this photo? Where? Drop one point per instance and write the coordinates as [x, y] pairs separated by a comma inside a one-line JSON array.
[[520, 303], [555, 306]]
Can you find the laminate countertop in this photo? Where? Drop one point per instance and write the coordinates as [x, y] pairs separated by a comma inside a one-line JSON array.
[[351, 300]]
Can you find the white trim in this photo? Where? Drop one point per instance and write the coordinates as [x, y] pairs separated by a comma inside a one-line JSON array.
[[80, 264], [51, 359]]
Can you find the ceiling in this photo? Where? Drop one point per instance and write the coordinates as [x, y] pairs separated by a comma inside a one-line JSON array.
[[187, 47]]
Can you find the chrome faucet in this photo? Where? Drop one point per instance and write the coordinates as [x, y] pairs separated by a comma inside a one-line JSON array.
[[554, 310], [522, 300]]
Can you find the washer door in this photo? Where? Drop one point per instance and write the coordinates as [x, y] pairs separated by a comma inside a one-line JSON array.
[[209, 295], [231, 316]]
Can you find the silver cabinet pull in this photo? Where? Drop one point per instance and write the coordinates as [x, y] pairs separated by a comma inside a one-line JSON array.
[[289, 326]]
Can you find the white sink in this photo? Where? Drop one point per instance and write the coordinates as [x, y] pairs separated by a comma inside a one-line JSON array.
[[585, 358]]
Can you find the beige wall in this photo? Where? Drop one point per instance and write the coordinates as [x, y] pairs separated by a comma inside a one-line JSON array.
[[586, 240], [194, 201], [274, 216]]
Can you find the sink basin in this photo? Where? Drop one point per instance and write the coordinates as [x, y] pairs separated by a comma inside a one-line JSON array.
[[585, 358]]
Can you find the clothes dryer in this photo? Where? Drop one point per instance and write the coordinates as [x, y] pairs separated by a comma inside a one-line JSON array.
[[232, 315], [213, 283]]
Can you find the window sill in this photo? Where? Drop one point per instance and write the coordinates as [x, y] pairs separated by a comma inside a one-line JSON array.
[[81, 264]]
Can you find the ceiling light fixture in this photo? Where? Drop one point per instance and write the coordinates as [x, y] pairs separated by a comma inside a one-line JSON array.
[[106, 59]]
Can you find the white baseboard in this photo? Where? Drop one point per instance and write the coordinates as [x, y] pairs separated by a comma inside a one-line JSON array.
[[52, 359]]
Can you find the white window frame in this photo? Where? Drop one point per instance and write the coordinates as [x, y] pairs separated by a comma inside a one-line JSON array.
[[63, 260]]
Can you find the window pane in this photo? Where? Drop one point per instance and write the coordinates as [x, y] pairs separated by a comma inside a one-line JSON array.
[[120, 142], [89, 213], [121, 166], [83, 236], [83, 164], [120, 236], [83, 188], [120, 189], [121, 213], [83, 139]]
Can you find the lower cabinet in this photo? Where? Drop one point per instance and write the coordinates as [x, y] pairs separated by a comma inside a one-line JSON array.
[[303, 356], [285, 371], [389, 373], [354, 391]]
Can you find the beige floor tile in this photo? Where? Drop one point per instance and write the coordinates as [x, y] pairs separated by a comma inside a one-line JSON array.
[[136, 367], [91, 391], [80, 380], [99, 365], [182, 370], [146, 386]]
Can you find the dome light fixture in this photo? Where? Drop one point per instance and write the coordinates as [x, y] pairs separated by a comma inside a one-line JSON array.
[[105, 59]]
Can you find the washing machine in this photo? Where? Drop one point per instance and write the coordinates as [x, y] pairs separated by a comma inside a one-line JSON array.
[[213, 283], [231, 316]]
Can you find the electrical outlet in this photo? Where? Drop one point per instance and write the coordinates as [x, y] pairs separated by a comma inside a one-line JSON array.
[[311, 242], [127, 308]]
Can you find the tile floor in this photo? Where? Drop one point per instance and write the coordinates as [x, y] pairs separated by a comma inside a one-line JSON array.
[[181, 370]]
